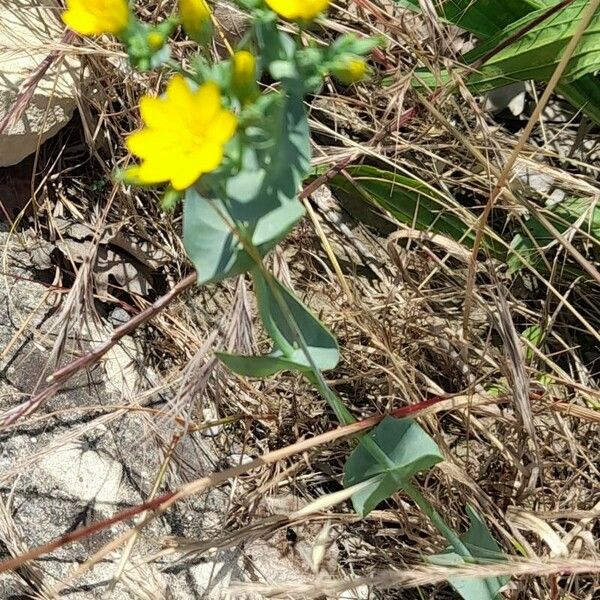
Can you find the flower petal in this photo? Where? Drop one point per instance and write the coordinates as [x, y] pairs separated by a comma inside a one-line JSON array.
[[153, 111], [207, 101], [149, 143], [82, 22], [210, 157], [155, 171], [222, 127], [186, 175], [179, 95]]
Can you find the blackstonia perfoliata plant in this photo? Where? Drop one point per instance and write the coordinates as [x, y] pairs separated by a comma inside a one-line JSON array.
[[237, 154]]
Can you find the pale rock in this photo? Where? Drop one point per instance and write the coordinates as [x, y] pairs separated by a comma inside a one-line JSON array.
[[509, 97], [85, 474], [29, 31]]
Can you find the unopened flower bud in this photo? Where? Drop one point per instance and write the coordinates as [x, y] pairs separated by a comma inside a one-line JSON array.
[[351, 70], [244, 74], [196, 20]]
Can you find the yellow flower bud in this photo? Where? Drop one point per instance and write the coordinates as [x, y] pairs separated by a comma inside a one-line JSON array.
[[196, 20], [351, 71], [156, 40], [244, 74]]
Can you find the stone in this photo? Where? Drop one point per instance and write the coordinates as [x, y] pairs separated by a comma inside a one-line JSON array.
[[509, 97], [29, 30], [82, 457], [85, 474]]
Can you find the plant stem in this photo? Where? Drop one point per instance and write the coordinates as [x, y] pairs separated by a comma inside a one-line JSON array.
[[436, 519], [438, 522]]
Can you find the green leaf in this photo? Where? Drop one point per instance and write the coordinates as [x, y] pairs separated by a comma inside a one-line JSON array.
[[409, 450], [536, 54], [481, 17], [535, 335], [253, 366], [287, 353], [260, 201], [482, 546], [415, 204], [584, 94], [486, 18]]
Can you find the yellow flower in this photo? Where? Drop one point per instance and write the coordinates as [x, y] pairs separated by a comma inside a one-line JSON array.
[[185, 134], [305, 10], [353, 70], [95, 17], [196, 19], [244, 74]]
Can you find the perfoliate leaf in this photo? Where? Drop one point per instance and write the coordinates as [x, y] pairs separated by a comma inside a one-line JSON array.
[[260, 201], [287, 353], [409, 450], [483, 548]]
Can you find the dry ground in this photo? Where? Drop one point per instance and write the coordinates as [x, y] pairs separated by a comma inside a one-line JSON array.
[[521, 446]]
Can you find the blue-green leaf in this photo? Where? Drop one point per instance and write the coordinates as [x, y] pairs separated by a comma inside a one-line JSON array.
[[482, 546], [259, 202], [409, 450], [287, 353]]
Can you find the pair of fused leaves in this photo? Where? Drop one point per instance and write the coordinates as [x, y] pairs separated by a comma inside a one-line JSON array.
[[408, 450], [483, 548], [259, 203], [285, 318], [535, 55]]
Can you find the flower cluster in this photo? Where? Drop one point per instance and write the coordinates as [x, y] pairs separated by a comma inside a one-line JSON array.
[[187, 130]]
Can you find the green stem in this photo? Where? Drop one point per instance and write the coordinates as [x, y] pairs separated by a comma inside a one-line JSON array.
[[438, 522], [343, 415], [434, 516]]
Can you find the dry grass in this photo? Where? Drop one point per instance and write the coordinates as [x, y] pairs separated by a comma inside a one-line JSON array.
[[526, 457]]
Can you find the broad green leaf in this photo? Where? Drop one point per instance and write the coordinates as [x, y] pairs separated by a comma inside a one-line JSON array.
[[482, 547], [522, 252], [287, 353], [536, 54], [261, 200], [584, 94], [409, 450], [481, 17], [486, 18], [414, 204]]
